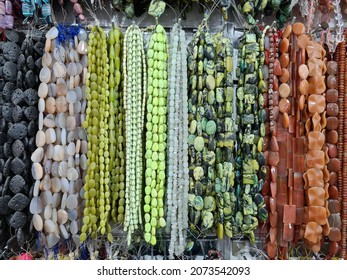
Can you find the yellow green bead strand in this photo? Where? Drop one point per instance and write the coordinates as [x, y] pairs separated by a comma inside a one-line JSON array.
[[135, 88], [156, 133]]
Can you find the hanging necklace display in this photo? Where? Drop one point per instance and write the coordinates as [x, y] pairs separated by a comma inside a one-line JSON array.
[[177, 145], [59, 162], [270, 140], [316, 176], [250, 161], [116, 125], [334, 165], [135, 93], [97, 187], [18, 126], [156, 127]]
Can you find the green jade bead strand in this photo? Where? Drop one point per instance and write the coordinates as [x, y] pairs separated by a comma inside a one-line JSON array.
[[135, 88], [96, 188], [156, 134], [116, 126]]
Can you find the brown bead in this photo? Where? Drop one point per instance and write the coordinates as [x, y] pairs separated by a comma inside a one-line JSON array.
[[284, 46], [316, 85], [333, 248], [303, 87], [284, 90], [333, 192], [332, 109], [273, 234], [332, 95], [333, 178], [284, 105], [302, 41], [271, 249], [302, 100], [332, 123], [266, 143], [273, 203], [273, 219], [285, 120], [335, 235], [315, 159], [303, 71], [277, 70], [315, 196], [316, 140], [334, 165], [274, 144], [332, 67], [285, 75], [334, 206], [284, 60], [317, 214], [332, 150], [274, 158], [287, 31], [316, 103], [275, 83], [332, 82], [273, 189], [275, 98], [332, 137], [298, 28]]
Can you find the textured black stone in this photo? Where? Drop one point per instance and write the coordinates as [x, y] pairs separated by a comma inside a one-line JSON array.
[[17, 166], [6, 187], [19, 79], [18, 148], [4, 209], [32, 128], [18, 220], [31, 97], [7, 150], [17, 184], [20, 237], [21, 62], [17, 96], [18, 131], [32, 144], [7, 112], [27, 45], [17, 114], [18, 202], [30, 63], [38, 63], [12, 36], [2, 163], [31, 113], [2, 121], [7, 91], [38, 47], [10, 71], [7, 168], [30, 79], [11, 51]]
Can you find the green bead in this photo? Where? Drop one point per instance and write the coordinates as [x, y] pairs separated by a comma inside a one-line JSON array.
[[199, 143]]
